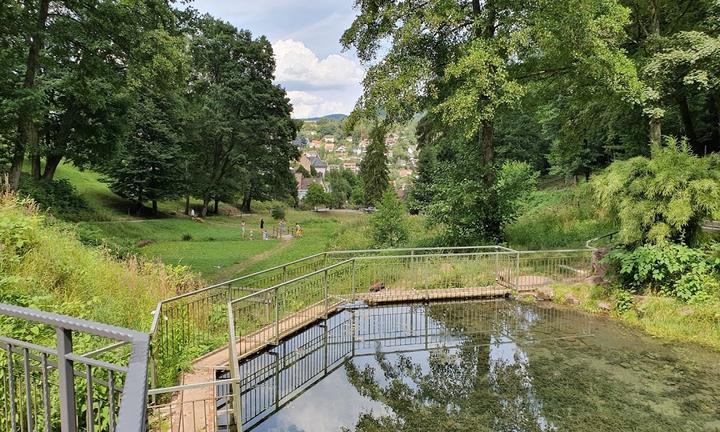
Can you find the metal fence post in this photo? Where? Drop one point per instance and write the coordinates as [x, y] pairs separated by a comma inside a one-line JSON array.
[[66, 381], [277, 317], [517, 272], [284, 278], [325, 291], [353, 279]]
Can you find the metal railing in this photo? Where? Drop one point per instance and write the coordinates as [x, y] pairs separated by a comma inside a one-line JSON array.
[[196, 322], [53, 387], [49, 388], [266, 316]]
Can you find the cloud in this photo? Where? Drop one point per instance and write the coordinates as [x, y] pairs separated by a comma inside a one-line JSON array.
[[306, 105], [316, 86], [297, 65]]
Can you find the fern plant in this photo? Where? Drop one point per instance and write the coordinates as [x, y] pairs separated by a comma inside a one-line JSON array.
[[662, 198]]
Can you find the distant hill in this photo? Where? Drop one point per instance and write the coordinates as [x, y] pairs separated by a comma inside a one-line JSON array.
[[329, 116]]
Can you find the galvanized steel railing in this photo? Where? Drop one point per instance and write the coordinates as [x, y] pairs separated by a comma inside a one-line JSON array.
[[197, 321], [50, 388], [266, 316]]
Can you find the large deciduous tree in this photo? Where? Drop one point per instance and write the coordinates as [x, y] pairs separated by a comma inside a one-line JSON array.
[[66, 87], [242, 130], [462, 63]]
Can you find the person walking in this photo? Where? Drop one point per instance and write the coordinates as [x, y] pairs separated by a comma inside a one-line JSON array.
[[242, 228]]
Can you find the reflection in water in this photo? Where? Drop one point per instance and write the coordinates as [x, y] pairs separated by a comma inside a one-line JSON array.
[[484, 366]]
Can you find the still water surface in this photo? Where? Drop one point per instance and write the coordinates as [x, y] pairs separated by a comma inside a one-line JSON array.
[[484, 366]]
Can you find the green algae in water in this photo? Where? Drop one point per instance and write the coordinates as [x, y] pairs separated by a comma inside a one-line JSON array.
[[484, 366]]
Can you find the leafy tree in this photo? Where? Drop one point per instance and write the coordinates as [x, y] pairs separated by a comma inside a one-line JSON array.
[[341, 186], [150, 162], [242, 131], [471, 211], [389, 224], [316, 196], [147, 166], [358, 194], [68, 66], [662, 198], [373, 168]]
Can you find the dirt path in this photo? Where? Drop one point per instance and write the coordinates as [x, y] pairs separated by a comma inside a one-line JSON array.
[[235, 269]]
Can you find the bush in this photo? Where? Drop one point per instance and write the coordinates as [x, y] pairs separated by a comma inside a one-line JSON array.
[[471, 211], [316, 196], [669, 269], [58, 196], [389, 222], [43, 264], [663, 198], [278, 212], [186, 237]]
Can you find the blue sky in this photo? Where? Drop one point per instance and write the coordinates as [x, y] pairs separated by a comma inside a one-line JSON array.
[[319, 77]]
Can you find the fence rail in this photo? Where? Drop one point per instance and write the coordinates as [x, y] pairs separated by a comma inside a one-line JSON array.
[[49, 388], [262, 318]]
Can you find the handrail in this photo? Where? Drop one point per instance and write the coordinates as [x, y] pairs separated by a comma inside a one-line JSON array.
[[132, 409], [588, 244], [158, 308], [291, 281]]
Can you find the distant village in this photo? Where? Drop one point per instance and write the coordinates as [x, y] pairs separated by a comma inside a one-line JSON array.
[[324, 146]]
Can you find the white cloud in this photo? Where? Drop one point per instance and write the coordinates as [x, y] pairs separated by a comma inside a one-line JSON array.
[[298, 65], [317, 87], [307, 105]]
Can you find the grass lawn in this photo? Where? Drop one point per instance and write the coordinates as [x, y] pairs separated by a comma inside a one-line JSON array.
[[215, 249]]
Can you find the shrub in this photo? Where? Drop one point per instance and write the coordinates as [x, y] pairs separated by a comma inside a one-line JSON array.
[[316, 196], [186, 237], [674, 270], [663, 198], [53, 270], [471, 210], [59, 196], [278, 212], [389, 224]]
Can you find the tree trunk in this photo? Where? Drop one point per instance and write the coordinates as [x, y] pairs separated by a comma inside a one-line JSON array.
[[655, 131], [154, 207], [36, 165], [206, 202], [27, 127], [187, 205], [51, 164], [688, 125], [714, 108], [655, 121], [216, 206], [246, 203]]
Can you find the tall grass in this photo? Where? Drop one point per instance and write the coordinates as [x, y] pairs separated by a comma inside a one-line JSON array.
[[44, 265], [558, 218]]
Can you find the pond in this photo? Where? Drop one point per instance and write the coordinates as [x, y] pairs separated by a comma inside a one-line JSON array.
[[483, 366]]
